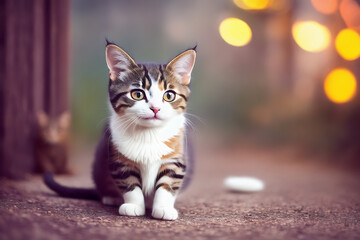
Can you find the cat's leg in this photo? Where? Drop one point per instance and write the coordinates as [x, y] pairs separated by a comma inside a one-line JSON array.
[[134, 203], [105, 185], [168, 183], [128, 179]]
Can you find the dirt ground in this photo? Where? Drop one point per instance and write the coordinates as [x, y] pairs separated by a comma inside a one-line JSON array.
[[303, 199]]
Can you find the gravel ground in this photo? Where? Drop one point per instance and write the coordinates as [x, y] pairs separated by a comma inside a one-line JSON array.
[[303, 199]]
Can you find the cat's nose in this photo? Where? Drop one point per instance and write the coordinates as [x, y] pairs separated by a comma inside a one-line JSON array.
[[155, 109]]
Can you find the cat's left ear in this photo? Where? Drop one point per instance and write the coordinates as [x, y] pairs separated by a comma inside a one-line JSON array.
[[182, 66], [118, 62]]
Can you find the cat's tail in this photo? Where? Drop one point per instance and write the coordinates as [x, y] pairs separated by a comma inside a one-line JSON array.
[[69, 192]]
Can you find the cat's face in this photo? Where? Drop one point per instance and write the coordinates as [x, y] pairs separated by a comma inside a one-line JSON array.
[[148, 94], [53, 130]]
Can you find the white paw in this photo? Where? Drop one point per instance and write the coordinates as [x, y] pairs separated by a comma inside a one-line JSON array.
[[130, 209], [111, 201], [165, 213]]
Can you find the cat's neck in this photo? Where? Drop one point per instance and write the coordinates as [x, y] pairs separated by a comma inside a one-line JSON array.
[[144, 145]]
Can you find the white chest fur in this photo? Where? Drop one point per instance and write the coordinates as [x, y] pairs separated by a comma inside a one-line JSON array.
[[145, 146]]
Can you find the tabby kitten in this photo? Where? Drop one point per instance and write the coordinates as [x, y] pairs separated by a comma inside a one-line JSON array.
[[51, 143], [144, 153]]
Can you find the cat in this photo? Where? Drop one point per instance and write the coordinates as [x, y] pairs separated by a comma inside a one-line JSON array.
[[144, 156], [50, 149]]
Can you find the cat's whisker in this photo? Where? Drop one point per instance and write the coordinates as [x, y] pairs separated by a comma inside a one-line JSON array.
[[133, 125], [125, 129], [190, 124], [124, 120], [201, 120], [125, 123], [133, 119]]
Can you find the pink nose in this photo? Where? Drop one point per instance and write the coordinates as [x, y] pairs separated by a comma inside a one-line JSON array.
[[155, 110]]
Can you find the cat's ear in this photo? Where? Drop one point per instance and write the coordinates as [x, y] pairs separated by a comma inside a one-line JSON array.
[[64, 120], [118, 62], [182, 66], [42, 119]]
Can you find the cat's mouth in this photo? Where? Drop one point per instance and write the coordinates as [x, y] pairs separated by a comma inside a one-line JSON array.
[[152, 118]]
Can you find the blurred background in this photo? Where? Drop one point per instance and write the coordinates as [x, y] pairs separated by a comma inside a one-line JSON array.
[[269, 72]]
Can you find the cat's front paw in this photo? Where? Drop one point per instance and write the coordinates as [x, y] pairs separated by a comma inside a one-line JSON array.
[[130, 209], [165, 213]]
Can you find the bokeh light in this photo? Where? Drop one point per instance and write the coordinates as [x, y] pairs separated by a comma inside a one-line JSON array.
[[350, 12], [235, 32], [253, 4], [340, 85], [325, 6], [311, 36], [347, 44]]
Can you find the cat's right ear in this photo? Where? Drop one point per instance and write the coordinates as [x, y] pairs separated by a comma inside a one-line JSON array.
[[43, 119], [118, 62]]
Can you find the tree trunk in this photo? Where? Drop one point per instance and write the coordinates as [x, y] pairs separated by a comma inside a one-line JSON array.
[[34, 73]]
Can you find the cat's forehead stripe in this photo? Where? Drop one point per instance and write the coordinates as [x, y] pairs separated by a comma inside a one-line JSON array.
[[161, 86], [145, 78], [152, 74], [161, 78], [136, 84]]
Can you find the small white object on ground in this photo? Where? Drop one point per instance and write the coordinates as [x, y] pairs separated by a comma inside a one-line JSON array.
[[243, 184]]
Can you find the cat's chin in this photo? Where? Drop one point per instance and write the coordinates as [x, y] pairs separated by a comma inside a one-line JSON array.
[[150, 122]]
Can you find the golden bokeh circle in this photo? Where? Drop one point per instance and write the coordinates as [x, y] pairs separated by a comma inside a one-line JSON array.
[[311, 36], [340, 85], [235, 32], [347, 44], [253, 4]]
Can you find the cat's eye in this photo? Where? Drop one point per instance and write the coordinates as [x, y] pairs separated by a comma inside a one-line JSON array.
[[137, 95], [169, 96]]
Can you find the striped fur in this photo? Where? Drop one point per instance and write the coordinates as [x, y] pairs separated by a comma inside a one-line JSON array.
[[125, 172], [147, 130]]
